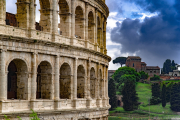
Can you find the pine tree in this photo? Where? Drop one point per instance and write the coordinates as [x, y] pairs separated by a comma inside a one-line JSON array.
[[112, 94], [164, 95], [175, 97], [130, 99]]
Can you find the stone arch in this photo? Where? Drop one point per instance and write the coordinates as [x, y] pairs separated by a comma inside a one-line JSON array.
[[92, 82], [21, 58], [44, 80], [64, 13], [79, 22], [98, 30], [91, 26], [100, 84], [17, 80], [80, 81], [65, 81]]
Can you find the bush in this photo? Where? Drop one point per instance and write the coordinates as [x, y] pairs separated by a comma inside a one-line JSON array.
[[155, 78]]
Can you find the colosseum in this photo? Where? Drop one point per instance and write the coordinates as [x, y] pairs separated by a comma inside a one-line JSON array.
[[60, 70]]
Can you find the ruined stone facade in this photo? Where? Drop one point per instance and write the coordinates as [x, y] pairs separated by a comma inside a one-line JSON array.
[[60, 76]]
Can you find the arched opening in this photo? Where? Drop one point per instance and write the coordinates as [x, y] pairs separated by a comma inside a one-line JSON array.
[[80, 81], [98, 31], [17, 80], [45, 16], [65, 81], [44, 80], [100, 84], [64, 18], [91, 27], [79, 23], [92, 83]]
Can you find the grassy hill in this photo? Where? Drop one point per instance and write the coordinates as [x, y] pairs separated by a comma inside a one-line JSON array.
[[145, 110]]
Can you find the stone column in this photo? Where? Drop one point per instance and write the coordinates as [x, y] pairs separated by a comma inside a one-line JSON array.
[[104, 32], [86, 22], [95, 30], [75, 80], [98, 82], [34, 76], [3, 80], [22, 15], [88, 79], [72, 20], [56, 80], [54, 18], [2, 11], [31, 15], [104, 82]]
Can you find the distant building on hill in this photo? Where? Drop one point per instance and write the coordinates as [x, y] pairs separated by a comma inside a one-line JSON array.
[[135, 62]]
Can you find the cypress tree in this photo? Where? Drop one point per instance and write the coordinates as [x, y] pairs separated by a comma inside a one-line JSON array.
[[175, 97], [112, 94], [164, 95], [156, 94], [130, 99]]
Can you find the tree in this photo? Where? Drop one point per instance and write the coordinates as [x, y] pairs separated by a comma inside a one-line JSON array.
[[164, 95], [143, 75], [130, 99], [175, 97], [173, 65], [155, 78], [125, 70], [168, 91], [112, 94], [167, 66], [156, 94], [120, 60]]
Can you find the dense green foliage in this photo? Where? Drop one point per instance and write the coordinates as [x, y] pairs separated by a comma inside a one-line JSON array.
[[168, 66], [130, 98], [163, 95], [156, 94], [125, 70], [112, 94], [175, 97], [143, 75], [120, 60], [155, 78]]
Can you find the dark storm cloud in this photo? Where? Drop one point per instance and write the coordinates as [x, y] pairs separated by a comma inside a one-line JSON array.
[[157, 37]]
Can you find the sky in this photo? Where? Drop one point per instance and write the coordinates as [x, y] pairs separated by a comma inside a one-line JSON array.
[[146, 28]]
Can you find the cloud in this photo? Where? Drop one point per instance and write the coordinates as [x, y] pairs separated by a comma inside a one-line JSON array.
[[157, 37]]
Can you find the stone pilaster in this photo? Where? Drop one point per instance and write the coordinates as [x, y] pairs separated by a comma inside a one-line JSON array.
[[56, 80], [2, 12], [75, 80], [86, 21], [95, 30], [3, 80], [88, 79], [22, 15], [54, 17], [72, 20], [98, 82], [34, 76], [31, 15]]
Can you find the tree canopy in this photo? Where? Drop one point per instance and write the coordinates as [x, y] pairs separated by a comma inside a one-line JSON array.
[[120, 60], [125, 70], [143, 75]]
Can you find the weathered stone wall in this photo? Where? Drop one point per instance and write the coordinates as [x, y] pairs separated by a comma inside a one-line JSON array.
[[58, 76]]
